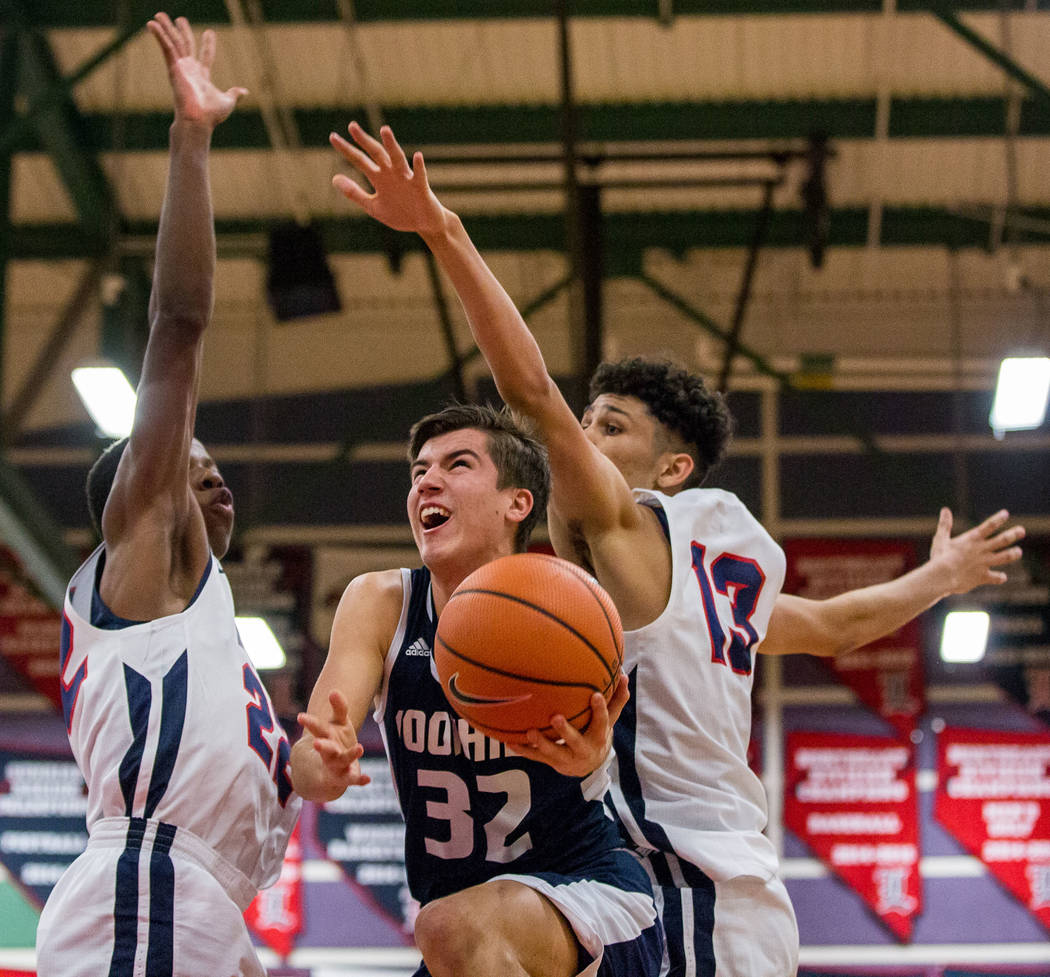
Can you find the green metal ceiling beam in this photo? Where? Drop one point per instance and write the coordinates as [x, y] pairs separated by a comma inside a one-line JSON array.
[[14, 131], [33, 534], [98, 13], [61, 130], [627, 235], [753, 119], [999, 58]]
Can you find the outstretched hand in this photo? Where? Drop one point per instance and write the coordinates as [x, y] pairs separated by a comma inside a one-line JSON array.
[[196, 97], [969, 559], [401, 197], [573, 753], [335, 740]]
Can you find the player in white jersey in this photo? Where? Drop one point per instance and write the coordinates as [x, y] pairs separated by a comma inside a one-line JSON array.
[[697, 583], [190, 803]]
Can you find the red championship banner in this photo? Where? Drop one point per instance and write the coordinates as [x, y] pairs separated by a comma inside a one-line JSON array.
[[852, 799], [993, 796], [30, 630], [886, 675], [276, 914]]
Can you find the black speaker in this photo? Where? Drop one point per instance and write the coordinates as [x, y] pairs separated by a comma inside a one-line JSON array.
[[299, 282]]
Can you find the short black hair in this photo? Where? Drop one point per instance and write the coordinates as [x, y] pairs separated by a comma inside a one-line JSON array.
[[678, 400], [100, 480], [520, 460]]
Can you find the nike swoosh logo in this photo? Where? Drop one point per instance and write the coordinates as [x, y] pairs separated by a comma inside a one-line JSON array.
[[480, 700]]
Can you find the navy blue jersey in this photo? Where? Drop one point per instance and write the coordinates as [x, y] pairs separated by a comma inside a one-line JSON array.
[[474, 808]]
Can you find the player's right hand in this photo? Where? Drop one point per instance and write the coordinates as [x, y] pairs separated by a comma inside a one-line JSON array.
[[335, 741]]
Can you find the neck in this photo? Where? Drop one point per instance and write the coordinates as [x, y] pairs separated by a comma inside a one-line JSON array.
[[446, 577]]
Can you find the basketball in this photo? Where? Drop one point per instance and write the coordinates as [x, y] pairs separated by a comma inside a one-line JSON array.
[[524, 638]]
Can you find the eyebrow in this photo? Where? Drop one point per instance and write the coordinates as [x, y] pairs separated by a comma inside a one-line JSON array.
[[447, 458], [610, 408]]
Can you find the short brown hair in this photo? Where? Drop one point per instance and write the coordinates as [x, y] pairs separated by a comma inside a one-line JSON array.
[[520, 460]]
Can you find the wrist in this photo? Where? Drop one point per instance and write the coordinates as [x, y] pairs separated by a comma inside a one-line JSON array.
[[445, 232], [191, 132]]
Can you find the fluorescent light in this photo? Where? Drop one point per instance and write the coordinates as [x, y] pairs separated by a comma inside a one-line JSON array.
[[1020, 394], [259, 641], [108, 397], [965, 636]]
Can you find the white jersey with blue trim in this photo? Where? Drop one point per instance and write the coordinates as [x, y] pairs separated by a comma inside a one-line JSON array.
[[169, 721], [682, 784]]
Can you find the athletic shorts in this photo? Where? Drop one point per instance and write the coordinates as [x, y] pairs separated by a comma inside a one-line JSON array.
[[743, 927], [140, 901], [611, 911]]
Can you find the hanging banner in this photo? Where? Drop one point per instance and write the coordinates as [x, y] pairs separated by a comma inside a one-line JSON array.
[[363, 832], [30, 630], [1018, 656], [276, 584], [852, 799], [993, 796], [886, 675], [43, 804], [276, 913]]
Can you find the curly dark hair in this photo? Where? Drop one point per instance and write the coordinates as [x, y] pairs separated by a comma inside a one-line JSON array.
[[520, 460], [100, 480], [680, 402]]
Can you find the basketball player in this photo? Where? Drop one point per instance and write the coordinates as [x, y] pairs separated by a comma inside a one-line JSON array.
[[697, 582], [189, 800], [517, 868]]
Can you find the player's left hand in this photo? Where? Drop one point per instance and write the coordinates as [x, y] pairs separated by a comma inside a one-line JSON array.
[[571, 752], [969, 559], [197, 99], [401, 197]]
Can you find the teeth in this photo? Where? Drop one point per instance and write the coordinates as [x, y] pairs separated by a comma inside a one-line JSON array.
[[428, 514]]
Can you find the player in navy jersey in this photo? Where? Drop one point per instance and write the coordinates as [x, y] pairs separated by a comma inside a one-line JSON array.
[[190, 803], [517, 867], [697, 582]]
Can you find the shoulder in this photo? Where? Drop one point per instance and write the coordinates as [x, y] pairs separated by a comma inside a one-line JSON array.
[[378, 589], [373, 602]]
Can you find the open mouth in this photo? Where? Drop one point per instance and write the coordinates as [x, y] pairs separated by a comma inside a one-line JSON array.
[[432, 516], [223, 502]]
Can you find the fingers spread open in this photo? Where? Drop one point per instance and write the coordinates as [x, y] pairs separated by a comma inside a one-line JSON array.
[[161, 28], [394, 151], [992, 523], [359, 160], [207, 56], [187, 42], [372, 146]]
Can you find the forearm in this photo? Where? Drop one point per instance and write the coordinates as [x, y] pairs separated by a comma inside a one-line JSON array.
[[185, 258], [501, 334], [851, 620]]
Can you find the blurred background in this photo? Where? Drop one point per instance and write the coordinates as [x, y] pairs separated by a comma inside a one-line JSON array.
[[838, 211]]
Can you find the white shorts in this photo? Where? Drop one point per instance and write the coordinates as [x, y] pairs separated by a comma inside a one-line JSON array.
[[139, 902], [742, 927], [610, 909]]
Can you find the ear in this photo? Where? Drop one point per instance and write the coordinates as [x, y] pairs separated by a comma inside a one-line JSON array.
[[520, 505], [675, 469]]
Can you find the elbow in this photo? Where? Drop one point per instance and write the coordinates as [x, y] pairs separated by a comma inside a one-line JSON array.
[[187, 322], [533, 395]]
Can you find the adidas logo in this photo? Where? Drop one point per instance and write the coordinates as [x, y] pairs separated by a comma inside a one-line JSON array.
[[418, 647]]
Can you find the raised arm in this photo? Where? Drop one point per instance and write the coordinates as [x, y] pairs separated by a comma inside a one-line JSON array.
[[851, 620], [325, 761], [586, 486], [151, 486]]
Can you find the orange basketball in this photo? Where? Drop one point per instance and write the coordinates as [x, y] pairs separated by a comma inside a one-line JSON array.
[[524, 638]]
